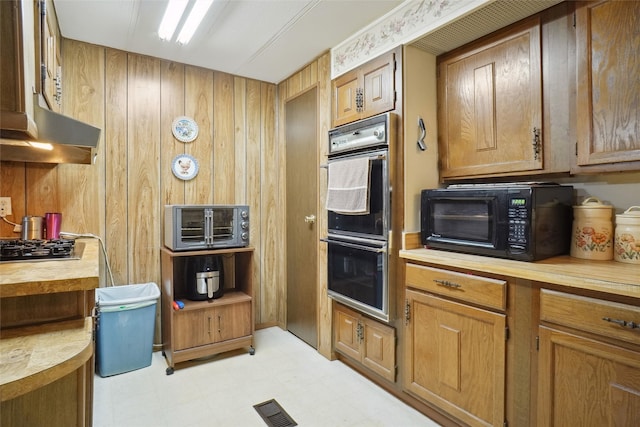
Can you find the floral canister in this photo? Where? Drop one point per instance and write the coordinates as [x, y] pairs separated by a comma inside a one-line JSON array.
[[627, 237], [592, 233]]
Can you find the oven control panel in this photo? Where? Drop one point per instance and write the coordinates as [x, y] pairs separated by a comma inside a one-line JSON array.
[[363, 134]]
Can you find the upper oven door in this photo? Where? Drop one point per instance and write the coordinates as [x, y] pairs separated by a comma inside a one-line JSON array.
[[375, 224]]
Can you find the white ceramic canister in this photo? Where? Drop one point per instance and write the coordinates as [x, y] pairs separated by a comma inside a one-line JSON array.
[[592, 233], [627, 237]]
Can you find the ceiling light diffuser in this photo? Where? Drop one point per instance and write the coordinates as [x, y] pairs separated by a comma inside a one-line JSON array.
[[171, 17], [196, 15]]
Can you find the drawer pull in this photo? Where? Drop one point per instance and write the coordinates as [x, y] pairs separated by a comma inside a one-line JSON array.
[[447, 284], [630, 325]]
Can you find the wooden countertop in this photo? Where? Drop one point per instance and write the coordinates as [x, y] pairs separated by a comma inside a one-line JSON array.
[[34, 356], [603, 276], [41, 277]]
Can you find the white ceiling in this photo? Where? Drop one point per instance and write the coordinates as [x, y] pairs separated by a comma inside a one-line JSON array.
[[266, 40]]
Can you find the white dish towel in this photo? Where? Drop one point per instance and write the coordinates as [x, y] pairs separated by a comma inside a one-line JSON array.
[[348, 189]]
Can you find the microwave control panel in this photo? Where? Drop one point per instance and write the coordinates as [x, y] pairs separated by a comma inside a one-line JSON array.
[[519, 221]]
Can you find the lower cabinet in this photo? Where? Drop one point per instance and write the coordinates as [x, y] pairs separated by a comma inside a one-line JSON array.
[[203, 328], [455, 353], [364, 340], [589, 362]]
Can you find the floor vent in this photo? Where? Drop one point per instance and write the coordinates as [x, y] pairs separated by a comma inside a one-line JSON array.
[[273, 414]]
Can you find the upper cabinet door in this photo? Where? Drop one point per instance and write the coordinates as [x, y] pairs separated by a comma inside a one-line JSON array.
[[366, 91], [608, 94], [490, 105]]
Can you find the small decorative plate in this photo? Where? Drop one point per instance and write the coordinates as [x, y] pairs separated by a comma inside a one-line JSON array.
[[184, 167], [185, 129]]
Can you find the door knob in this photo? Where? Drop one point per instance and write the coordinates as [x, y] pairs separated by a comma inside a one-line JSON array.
[[310, 219]]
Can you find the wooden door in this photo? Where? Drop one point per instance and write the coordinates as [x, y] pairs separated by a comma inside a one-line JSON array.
[[346, 332], [455, 358], [608, 97], [378, 351], [584, 382], [346, 92], [232, 321], [490, 101], [302, 196]]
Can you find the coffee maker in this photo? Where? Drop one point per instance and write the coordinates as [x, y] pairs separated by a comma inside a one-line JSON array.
[[204, 277]]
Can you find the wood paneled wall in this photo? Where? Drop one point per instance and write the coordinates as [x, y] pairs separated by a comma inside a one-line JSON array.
[[134, 100], [317, 73]]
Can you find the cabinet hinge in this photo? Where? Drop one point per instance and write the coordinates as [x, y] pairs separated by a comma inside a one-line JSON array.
[[505, 424], [43, 72], [537, 343], [506, 333], [407, 312]]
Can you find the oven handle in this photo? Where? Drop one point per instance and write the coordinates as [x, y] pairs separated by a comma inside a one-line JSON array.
[[382, 250], [378, 157]]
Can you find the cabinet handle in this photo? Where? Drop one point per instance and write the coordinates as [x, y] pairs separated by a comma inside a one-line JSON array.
[[447, 283], [219, 324], [209, 324], [359, 100], [630, 325], [536, 143]]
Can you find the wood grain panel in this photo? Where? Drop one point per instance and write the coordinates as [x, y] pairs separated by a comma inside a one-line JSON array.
[[199, 98], [253, 128], [144, 171], [239, 139], [272, 210], [42, 183], [172, 100], [223, 141], [116, 164], [80, 194]]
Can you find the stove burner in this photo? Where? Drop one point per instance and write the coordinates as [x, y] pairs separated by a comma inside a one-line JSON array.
[[15, 250]]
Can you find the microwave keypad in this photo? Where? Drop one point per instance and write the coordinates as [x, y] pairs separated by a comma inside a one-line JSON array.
[[518, 221]]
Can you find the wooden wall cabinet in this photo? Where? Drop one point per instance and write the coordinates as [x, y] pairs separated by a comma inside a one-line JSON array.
[[490, 104], [18, 68], [50, 57], [365, 91], [364, 340], [455, 353], [589, 363], [608, 91], [203, 328]]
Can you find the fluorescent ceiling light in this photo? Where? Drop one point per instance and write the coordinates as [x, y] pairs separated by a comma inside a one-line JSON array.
[[195, 17], [171, 17]]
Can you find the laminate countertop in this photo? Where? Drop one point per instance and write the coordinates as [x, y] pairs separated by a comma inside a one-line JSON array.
[[32, 356], [602, 276], [41, 277]]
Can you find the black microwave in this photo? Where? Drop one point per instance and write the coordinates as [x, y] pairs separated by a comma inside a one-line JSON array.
[[521, 221]]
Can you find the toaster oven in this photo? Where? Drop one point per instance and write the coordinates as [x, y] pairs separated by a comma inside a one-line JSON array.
[[194, 227]]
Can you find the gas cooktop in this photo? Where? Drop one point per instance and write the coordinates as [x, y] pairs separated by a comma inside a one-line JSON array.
[[37, 250]]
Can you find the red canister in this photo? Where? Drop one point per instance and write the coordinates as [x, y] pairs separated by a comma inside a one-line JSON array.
[[52, 222]]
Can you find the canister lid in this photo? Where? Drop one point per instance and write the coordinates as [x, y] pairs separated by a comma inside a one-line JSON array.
[[593, 203], [630, 216]]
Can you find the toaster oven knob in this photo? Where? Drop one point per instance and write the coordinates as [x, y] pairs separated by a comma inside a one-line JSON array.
[[244, 214], [244, 225], [245, 236]]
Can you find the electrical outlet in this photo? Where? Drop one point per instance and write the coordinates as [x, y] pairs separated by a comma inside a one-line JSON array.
[[5, 206]]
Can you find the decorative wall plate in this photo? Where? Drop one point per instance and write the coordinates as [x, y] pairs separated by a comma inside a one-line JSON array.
[[184, 167], [185, 129]]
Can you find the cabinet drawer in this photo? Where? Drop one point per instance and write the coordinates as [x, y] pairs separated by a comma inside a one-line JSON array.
[[589, 314], [490, 293]]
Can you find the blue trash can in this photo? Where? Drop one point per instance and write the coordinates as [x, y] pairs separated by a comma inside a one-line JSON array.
[[126, 322]]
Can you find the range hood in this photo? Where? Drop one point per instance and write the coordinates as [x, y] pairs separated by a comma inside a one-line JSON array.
[[50, 138]]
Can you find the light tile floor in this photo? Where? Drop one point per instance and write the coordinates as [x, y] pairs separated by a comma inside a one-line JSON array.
[[221, 391]]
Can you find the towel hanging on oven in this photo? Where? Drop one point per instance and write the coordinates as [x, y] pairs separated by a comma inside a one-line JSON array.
[[348, 189]]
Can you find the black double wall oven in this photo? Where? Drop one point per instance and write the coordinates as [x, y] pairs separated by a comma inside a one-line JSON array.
[[358, 236]]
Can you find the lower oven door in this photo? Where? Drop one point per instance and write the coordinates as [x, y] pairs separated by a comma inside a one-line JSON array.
[[358, 274]]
